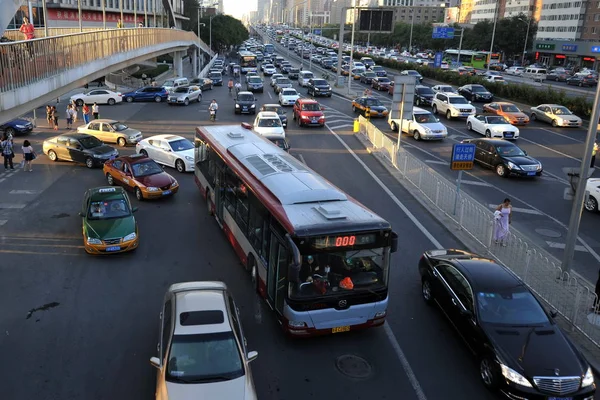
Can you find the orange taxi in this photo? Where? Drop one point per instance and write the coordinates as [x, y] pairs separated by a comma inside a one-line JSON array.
[[507, 110], [140, 175]]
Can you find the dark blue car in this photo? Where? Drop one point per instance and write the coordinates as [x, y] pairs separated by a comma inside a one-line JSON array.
[[148, 93], [17, 127]]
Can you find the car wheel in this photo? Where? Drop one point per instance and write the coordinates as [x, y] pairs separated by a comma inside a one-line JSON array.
[[121, 142], [394, 126], [186, 102], [299, 120], [501, 170], [110, 180], [209, 207], [418, 102], [427, 290], [469, 126], [591, 204], [199, 98], [253, 273], [129, 99], [488, 371], [533, 117], [10, 132], [488, 134], [416, 135], [448, 115], [79, 102], [580, 84], [180, 165], [111, 102], [158, 99], [434, 109], [554, 123], [138, 194], [52, 155], [89, 162]]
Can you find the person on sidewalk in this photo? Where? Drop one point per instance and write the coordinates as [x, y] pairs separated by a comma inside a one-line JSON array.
[[49, 116], [69, 116], [119, 23], [28, 155], [86, 113], [28, 32], [55, 117], [503, 218], [594, 151], [7, 152], [95, 111]]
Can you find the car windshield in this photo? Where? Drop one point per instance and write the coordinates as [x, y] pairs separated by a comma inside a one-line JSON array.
[[370, 74], [169, 82], [320, 82], [411, 72], [279, 143], [425, 90], [283, 81], [510, 108], [425, 118], [118, 126], [210, 357], [458, 100], [509, 150], [214, 75], [146, 168], [181, 90], [496, 120], [89, 142], [290, 93], [311, 107], [478, 89], [296, 70], [181, 145], [330, 274], [561, 111], [387, 80], [373, 102], [245, 97], [308, 76], [109, 209], [269, 123], [278, 109], [254, 79], [447, 89], [515, 306], [377, 68]]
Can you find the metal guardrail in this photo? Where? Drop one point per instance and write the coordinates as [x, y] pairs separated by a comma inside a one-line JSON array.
[[25, 62], [537, 268]]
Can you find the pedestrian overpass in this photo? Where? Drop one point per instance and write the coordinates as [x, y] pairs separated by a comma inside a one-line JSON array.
[[34, 72]]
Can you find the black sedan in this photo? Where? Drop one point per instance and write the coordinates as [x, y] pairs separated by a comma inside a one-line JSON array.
[[521, 351], [381, 83], [367, 77], [423, 95], [505, 158], [279, 110], [475, 93]]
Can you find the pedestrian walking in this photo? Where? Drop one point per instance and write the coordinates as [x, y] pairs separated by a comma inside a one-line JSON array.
[[95, 111], [75, 109], [597, 298], [119, 24], [7, 152], [49, 116], [69, 116], [55, 117], [594, 151], [28, 32], [86, 114], [502, 220], [28, 155]]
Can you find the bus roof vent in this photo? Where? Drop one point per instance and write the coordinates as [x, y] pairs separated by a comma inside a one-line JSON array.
[[330, 212], [236, 135], [278, 162], [260, 165]]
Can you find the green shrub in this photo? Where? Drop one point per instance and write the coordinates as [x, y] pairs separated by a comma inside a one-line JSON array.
[[152, 73]]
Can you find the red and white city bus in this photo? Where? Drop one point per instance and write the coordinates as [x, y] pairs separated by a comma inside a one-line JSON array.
[[319, 258]]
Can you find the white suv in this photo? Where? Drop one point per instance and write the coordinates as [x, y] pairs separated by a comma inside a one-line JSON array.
[[452, 105], [423, 125]]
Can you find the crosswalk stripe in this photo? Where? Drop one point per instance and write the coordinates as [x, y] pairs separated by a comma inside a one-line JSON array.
[[12, 205], [556, 245], [339, 126], [3, 221]]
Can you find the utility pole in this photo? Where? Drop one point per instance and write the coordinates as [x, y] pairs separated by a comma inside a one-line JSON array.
[[493, 35], [412, 24], [462, 31], [351, 49], [340, 47]]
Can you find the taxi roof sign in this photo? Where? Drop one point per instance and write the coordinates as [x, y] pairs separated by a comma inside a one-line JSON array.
[[106, 190]]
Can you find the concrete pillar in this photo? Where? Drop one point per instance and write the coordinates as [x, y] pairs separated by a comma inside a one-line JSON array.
[[195, 63], [178, 63]]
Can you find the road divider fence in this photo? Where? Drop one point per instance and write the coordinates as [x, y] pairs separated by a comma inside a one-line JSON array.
[[538, 269]]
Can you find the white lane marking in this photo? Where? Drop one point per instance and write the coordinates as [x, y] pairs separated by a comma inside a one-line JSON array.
[[437, 162], [556, 245], [2, 180], [475, 183], [390, 334], [520, 210], [560, 134], [269, 93], [301, 157], [549, 149], [12, 205], [23, 192], [3, 221], [339, 126]]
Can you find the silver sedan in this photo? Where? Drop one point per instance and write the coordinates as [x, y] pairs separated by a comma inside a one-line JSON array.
[[185, 95]]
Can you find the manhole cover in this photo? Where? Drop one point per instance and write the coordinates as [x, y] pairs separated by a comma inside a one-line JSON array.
[[353, 366], [548, 233]]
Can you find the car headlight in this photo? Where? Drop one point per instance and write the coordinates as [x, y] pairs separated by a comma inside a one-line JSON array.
[[514, 376], [427, 130], [169, 98], [93, 241], [539, 167], [152, 189], [129, 237], [98, 155], [189, 158], [237, 106], [253, 105], [588, 378], [174, 184], [132, 137], [512, 165], [20, 126], [317, 89]]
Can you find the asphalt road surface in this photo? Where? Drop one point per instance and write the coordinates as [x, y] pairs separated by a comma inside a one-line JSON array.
[[81, 327]]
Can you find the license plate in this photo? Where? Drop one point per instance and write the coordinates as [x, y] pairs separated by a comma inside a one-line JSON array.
[[339, 329], [113, 248], [508, 135], [166, 192], [560, 398], [531, 173], [314, 120]]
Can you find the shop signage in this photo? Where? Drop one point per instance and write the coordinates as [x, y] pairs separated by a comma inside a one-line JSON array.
[[545, 46], [72, 15], [569, 47], [595, 49]]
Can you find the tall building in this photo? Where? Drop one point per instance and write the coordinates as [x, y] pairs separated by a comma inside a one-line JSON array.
[[419, 14], [411, 3], [486, 10], [562, 20]]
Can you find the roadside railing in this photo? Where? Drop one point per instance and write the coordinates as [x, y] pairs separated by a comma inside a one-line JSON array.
[[25, 62], [537, 268], [15, 34]]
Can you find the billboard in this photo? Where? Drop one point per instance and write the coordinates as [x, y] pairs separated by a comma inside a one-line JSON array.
[[376, 20]]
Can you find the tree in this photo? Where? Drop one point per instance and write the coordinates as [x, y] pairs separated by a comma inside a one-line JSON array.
[[226, 31]]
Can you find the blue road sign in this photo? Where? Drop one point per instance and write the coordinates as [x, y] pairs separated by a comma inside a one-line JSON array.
[[317, 31], [442, 32], [437, 61], [463, 156]]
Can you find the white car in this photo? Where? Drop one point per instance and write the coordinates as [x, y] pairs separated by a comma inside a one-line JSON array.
[[274, 79], [452, 105], [516, 71], [185, 95], [268, 124], [269, 69], [422, 126], [593, 189], [443, 89], [492, 126], [555, 114], [202, 349], [170, 150], [287, 97], [100, 96], [495, 79]]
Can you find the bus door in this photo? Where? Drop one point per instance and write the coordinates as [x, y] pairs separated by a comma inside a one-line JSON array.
[[220, 187], [277, 272]]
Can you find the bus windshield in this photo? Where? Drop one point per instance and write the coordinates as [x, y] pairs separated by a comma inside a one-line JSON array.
[[248, 61], [335, 273]]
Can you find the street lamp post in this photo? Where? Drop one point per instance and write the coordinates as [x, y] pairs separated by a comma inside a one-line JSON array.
[[526, 37], [412, 25], [493, 35], [351, 49]]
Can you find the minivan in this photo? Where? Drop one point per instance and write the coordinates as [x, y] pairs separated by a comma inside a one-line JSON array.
[[535, 73], [171, 84], [304, 77]]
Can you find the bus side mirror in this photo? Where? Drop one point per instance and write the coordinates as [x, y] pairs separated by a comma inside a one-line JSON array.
[[394, 242]]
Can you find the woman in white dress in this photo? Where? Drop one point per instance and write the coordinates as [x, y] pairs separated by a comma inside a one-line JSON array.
[[503, 218]]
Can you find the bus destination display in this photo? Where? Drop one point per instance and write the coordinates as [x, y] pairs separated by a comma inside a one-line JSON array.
[[329, 242]]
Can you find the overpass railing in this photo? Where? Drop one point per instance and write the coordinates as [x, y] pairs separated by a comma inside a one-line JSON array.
[[25, 62], [14, 34]]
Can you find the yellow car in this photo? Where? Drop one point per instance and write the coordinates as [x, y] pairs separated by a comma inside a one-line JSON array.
[[376, 107]]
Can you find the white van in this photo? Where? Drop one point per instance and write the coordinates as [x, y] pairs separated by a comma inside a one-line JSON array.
[[171, 84], [304, 77], [535, 73]]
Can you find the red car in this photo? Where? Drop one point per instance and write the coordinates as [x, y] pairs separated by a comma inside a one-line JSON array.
[[381, 83], [308, 112], [391, 88]]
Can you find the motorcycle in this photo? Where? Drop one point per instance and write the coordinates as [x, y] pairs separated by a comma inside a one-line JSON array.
[[213, 115]]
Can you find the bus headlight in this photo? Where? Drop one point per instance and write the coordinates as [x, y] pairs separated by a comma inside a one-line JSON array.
[[380, 314], [297, 324]]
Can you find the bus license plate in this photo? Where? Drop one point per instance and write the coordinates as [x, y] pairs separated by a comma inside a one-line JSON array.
[[339, 329], [166, 192], [113, 248]]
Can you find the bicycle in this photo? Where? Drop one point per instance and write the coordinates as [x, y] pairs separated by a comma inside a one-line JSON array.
[[213, 115]]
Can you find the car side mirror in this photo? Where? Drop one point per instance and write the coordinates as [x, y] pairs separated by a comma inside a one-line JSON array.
[[251, 356], [553, 313], [155, 362], [469, 102], [466, 313], [80, 214], [134, 209], [322, 108], [524, 152], [437, 119]]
